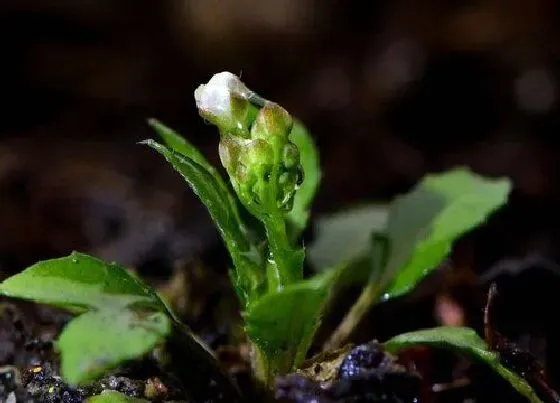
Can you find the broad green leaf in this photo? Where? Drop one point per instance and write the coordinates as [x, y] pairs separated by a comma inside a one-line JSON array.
[[246, 257], [423, 224], [309, 158], [109, 396], [123, 318], [282, 324], [98, 341], [346, 235], [80, 281], [464, 340]]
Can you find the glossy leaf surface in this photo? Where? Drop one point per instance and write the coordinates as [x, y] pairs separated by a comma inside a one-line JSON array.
[[424, 223]]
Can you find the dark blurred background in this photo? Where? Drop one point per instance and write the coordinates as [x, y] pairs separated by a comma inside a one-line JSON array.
[[390, 90]]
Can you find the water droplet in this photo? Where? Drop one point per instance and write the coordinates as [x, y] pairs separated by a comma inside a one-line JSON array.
[[385, 297], [113, 263]]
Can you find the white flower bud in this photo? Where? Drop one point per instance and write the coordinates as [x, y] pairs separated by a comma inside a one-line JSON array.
[[215, 97]]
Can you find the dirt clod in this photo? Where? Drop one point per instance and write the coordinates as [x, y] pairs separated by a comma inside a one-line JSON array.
[[367, 374]]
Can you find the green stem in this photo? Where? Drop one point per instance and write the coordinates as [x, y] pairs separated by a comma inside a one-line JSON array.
[[285, 264], [371, 293], [368, 298]]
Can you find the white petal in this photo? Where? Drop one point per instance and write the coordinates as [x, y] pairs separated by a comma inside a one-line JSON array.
[[215, 97]]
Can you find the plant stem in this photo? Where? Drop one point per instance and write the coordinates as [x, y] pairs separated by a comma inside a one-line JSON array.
[[377, 282], [368, 298], [259, 365], [284, 262]]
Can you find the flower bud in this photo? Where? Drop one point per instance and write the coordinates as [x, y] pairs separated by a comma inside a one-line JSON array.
[[263, 165], [272, 120], [223, 102]]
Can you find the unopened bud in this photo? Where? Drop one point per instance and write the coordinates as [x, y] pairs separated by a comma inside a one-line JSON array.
[[223, 102], [263, 165]]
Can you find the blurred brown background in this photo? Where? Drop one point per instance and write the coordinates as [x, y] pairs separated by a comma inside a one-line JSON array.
[[390, 90]]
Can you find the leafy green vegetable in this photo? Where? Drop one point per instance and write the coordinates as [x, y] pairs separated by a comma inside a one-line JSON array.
[[282, 324], [424, 224], [98, 341], [249, 275], [309, 156], [114, 397], [466, 341], [346, 235]]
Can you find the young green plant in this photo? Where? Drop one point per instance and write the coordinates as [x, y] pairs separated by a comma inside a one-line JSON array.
[[273, 170], [273, 167]]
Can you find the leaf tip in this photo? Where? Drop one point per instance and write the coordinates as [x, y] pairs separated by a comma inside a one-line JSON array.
[[147, 142]]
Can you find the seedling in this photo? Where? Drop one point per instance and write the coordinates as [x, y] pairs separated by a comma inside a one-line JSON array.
[[273, 174]]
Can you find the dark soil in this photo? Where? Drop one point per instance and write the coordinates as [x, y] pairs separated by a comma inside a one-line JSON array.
[[366, 374], [30, 370]]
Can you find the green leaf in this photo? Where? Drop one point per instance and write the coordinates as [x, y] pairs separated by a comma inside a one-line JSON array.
[[98, 341], [346, 235], [282, 324], [246, 257], [109, 396], [179, 144], [309, 157], [424, 224], [464, 340], [124, 319], [80, 281]]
